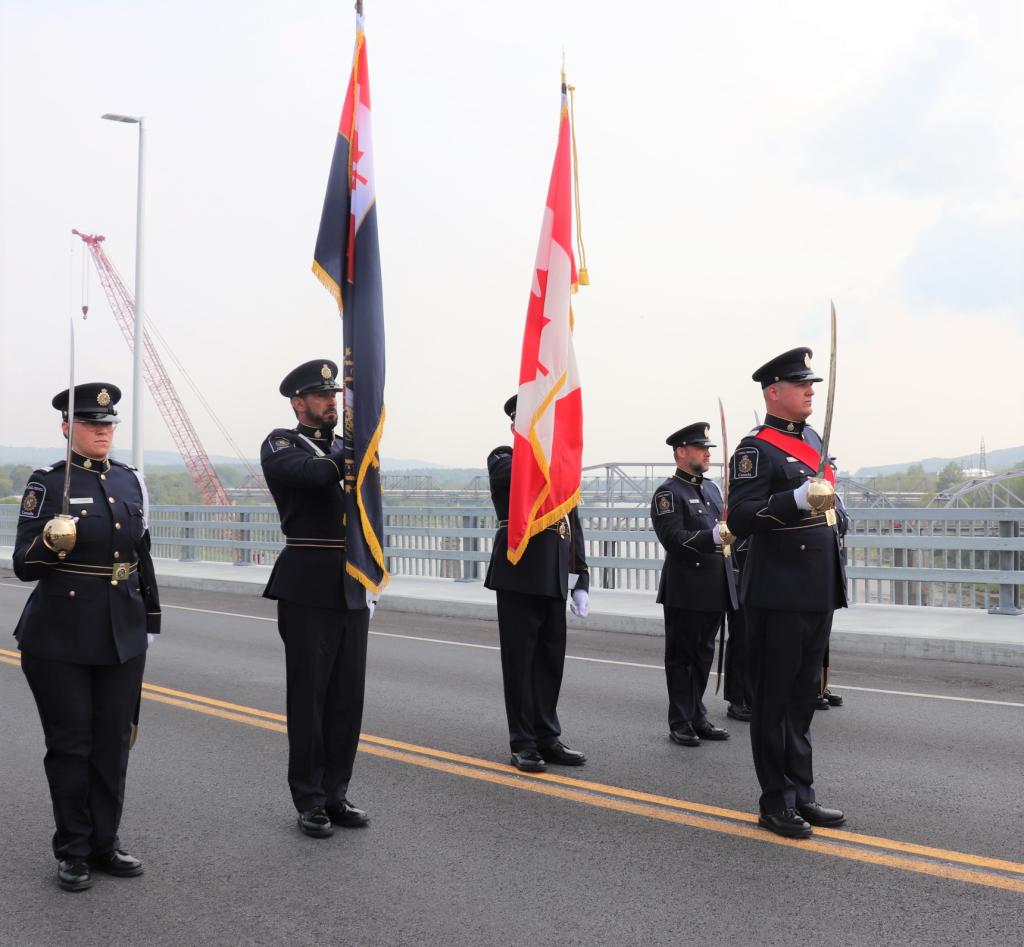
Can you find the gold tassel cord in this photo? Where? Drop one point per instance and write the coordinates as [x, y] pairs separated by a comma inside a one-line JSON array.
[[584, 276]]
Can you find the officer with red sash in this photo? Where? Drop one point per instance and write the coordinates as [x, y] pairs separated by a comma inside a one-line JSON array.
[[793, 579]]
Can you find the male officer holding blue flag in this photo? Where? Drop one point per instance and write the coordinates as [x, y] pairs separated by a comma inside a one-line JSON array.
[[322, 611]]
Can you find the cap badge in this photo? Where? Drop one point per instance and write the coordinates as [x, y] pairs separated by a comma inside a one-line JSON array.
[[707, 433], [807, 359], [103, 398], [325, 372]]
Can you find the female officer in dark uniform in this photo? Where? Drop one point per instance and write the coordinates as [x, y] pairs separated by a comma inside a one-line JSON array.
[[83, 633]]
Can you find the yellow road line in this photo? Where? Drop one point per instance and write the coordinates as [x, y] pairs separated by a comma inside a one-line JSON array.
[[934, 869], [601, 795]]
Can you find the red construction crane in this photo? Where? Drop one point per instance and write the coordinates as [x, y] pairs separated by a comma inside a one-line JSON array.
[[160, 386]]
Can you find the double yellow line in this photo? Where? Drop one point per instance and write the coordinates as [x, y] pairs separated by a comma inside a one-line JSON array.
[[852, 846]]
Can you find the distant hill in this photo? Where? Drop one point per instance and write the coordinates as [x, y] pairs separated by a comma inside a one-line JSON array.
[[1003, 459], [43, 456]]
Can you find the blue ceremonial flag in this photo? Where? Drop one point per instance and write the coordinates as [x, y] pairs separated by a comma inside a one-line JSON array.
[[347, 262]]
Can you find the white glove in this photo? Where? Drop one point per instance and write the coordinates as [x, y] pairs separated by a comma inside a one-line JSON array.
[[717, 536], [149, 638], [580, 603], [371, 604], [800, 495]]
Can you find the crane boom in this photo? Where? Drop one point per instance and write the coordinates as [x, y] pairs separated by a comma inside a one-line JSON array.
[[193, 454]]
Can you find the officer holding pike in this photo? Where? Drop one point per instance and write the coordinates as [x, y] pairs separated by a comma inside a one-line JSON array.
[[697, 584], [84, 632], [783, 497]]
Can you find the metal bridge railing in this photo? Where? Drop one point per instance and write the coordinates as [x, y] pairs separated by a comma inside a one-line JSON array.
[[965, 558]]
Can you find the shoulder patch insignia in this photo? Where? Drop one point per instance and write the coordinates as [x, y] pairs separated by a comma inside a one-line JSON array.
[[32, 501], [664, 503], [278, 443], [745, 463]]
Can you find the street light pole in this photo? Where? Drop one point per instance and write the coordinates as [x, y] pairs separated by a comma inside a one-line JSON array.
[[138, 346]]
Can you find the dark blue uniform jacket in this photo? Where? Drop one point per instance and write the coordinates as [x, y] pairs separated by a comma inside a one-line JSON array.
[[95, 605], [696, 575], [794, 559], [304, 474], [550, 556]]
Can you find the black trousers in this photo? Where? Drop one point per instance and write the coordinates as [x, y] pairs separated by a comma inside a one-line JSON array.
[[737, 688], [786, 650], [689, 651], [86, 711], [325, 661], [531, 629]]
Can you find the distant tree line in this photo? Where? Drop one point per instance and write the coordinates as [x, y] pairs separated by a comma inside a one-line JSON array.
[[165, 485]]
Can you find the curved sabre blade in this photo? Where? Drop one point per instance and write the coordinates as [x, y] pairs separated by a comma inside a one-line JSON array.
[[826, 431]]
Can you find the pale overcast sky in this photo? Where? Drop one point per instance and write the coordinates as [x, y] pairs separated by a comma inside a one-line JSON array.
[[741, 164]]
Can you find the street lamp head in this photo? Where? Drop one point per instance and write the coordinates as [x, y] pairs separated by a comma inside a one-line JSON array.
[[114, 117]]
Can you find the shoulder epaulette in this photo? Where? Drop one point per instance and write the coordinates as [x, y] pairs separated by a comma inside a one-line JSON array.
[[54, 466], [121, 463]]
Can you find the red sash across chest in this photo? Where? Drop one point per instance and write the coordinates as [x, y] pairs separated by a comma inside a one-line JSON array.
[[797, 448]]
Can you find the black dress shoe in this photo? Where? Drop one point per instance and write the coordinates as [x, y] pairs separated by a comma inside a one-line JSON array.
[[821, 702], [347, 815], [73, 874], [706, 730], [117, 863], [739, 712], [684, 735], [834, 700], [817, 814], [316, 823], [558, 752], [529, 761], [786, 823]]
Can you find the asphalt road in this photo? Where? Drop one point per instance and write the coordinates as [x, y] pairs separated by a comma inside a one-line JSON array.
[[649, 843]]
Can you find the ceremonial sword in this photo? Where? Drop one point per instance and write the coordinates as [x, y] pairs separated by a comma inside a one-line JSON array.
[[826, 431], [60, 533], [821, 495], [726, 546]]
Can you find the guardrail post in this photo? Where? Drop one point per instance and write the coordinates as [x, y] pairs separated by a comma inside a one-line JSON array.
[[244, 557], [188, 550], [1009, 595], [609, 548], [469, 544]]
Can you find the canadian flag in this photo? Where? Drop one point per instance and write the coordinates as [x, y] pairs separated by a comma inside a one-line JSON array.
[[547, 455]]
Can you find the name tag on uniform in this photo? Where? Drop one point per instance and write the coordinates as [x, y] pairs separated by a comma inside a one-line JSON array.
[[77, 500], [694, 501]]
